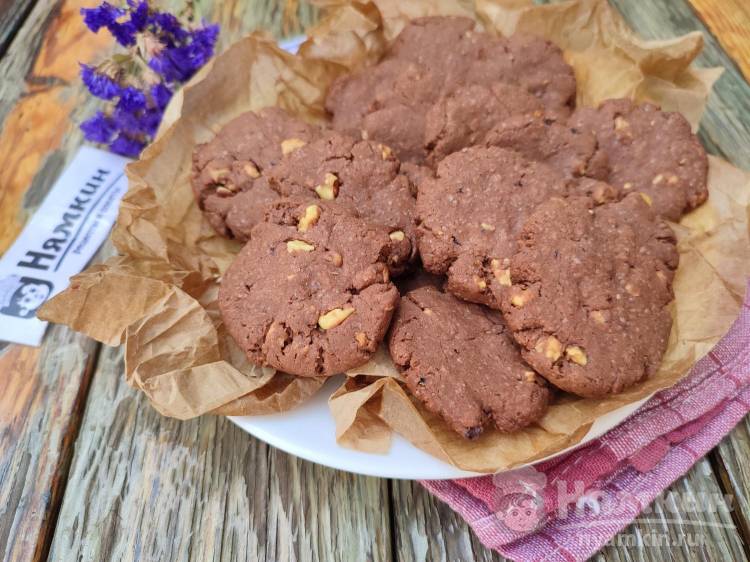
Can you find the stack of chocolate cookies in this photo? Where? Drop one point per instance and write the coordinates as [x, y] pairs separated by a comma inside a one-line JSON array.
[[506, 245]]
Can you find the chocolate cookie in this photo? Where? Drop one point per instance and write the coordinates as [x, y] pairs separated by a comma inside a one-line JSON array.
[[651, 151], [387, 102], [228, 170], [465, 116], [361, 175], [416, 174], [436, 57], [459, 360], [462, 55], [470, 214], [310, 294], [569, 151], [589, 295]]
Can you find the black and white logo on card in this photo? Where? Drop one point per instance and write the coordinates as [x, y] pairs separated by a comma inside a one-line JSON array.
[[22, 296]]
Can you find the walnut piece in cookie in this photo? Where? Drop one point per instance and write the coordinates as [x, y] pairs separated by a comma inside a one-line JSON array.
[[590, 292], [361, 175], [651, 151], [458, 359], [471, 212], [310, 293], [228, 175]]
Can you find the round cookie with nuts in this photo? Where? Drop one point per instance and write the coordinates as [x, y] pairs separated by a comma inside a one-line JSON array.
[[310, 293], [651, 151], [228, 171], [363, 176], [590, 292], [459, 360], [471, 212]]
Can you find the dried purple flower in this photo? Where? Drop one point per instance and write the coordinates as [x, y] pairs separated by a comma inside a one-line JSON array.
[[131, 99], [161, 95], [100, 85], [124, 33], [139, 14], [162, 54], [168, 28], [101, 16], [127, 146], [99, 128], [179, 63]]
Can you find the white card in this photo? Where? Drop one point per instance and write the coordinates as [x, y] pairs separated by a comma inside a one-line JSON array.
[[59, 240]]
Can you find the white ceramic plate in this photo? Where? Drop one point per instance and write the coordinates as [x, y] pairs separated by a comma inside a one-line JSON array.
[[308, 432]]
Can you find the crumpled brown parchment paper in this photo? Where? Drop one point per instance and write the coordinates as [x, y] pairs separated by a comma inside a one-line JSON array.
[[158, 297]]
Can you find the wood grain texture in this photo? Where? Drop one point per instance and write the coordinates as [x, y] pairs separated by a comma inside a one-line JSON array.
[[729, 22], [725, 129], [691, 520], [146, 487], [43, 389], [426, 530], [42, 392], [41, 104], [12, 15], [731, 466]]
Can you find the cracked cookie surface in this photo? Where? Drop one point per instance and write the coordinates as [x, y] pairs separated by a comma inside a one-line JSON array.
[[590, 292], [571, 152], [459, 360], [464, 117], [310, 293], [363, 176], [433, 58], [651, 151], [470, 213], [228, 175]]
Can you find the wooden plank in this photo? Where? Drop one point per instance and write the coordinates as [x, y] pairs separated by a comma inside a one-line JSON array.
[[725, 129], [42, 392], [44, 389], [690, 521], [425, 529], [146, 487], [41, 103], [12, 15], [730, 462], [729, 21]]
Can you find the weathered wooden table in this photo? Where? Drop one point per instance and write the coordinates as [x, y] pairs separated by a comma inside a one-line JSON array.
[[88, 471]]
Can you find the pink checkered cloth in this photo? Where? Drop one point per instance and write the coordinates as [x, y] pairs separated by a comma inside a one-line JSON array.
[[568, 508]]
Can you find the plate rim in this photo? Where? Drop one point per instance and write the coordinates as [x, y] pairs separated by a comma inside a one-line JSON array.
[[380, 465]]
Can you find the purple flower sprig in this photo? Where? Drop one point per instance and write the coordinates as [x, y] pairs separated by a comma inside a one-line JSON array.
[[162, 53]]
